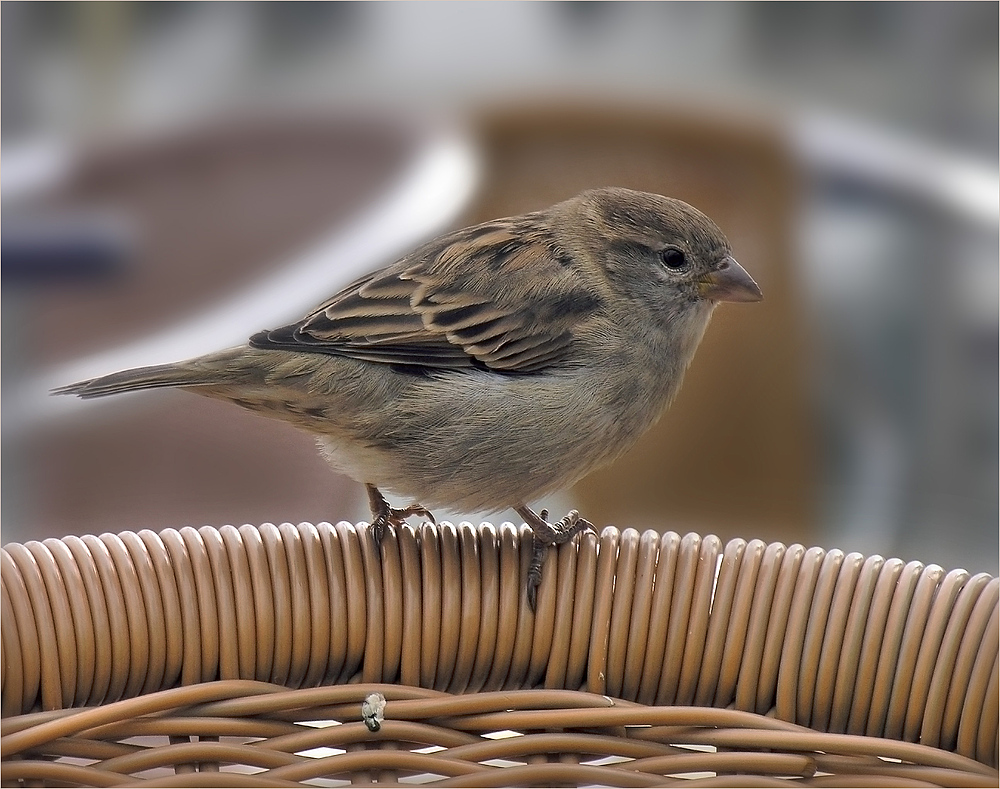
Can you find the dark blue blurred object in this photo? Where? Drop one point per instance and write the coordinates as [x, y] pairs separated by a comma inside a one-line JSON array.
[[60, 249]]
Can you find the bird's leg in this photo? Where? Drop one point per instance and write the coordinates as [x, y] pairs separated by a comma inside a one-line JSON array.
[[383, 515], [546, 534]]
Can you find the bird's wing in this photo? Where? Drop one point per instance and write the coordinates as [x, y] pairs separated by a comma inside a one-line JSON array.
[[500, 296]]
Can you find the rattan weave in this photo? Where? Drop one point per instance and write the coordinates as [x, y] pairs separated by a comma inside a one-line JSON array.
[[241, 657]]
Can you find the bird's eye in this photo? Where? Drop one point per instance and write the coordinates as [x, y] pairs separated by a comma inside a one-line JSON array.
[[673, 258]]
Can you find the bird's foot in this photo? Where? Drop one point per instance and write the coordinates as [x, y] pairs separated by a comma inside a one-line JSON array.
[[384, 515], [546, 534]]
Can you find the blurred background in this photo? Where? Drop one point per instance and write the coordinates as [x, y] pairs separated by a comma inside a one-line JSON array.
[[177, 176]]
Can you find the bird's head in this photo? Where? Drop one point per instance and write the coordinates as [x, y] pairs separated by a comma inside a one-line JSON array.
[[658, 252]]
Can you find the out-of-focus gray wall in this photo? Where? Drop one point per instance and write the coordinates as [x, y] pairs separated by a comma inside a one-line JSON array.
[[921, 69]]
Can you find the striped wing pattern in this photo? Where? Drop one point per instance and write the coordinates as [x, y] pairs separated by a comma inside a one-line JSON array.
[[496, 296]]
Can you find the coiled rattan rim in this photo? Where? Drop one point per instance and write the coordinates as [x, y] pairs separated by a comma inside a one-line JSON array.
[[850, 645]]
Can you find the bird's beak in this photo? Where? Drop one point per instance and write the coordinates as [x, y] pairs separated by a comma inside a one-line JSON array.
[[729, 282]]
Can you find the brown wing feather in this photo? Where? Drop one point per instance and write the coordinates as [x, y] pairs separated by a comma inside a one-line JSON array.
[[500, 295]]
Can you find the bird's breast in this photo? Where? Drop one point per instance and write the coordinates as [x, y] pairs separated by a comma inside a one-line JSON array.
[[483, 442]]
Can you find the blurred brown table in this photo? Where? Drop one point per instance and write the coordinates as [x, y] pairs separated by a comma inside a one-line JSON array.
[[209, 210]]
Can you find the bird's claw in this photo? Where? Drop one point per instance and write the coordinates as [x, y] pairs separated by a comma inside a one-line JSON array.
[[546, 534], [384, 515]]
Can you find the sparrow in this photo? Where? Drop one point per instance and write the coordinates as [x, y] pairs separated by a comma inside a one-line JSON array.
[[492, 365]]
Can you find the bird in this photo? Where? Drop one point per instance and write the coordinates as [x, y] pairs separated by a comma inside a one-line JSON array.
[[492, 365]]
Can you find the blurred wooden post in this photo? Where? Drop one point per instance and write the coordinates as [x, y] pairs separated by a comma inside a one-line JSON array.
[[735, 453]]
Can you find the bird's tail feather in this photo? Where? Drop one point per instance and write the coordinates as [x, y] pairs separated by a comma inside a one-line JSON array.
[[164, 375]]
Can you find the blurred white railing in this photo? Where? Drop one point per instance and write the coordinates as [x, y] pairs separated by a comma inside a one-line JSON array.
[[424, 200]]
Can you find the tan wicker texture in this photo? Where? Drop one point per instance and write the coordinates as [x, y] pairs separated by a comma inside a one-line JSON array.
[[241, 657]]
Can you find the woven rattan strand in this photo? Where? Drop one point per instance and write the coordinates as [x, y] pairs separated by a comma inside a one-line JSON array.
[[241, 657]]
